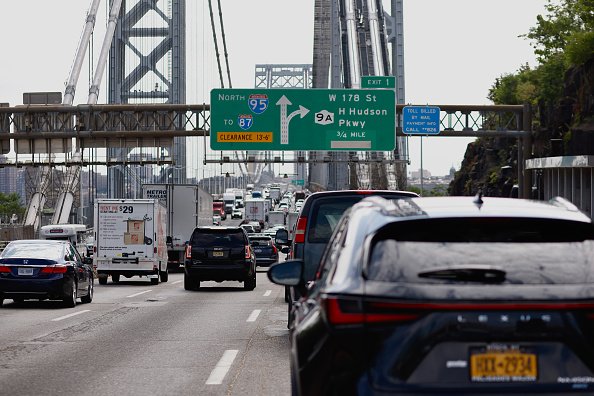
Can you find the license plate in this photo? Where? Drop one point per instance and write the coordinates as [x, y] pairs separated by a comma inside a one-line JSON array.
[[257, 250], [218, 254], [504, 365], [25, 271]]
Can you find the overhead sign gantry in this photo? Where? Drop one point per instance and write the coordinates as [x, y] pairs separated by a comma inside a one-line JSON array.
[[303, 119]]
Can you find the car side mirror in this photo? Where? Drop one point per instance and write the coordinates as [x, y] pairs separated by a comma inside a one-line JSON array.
[[285, 250], [287, 273], [281, 237]]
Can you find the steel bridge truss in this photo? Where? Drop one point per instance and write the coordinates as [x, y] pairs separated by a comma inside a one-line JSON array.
[[46, 130]]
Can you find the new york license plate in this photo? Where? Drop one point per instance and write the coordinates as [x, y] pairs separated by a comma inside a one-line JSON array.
[[218, 254], [507, 364]]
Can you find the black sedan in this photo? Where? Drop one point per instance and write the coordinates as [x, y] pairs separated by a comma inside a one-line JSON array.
[[451, 295], [44, 269], [264, 249]]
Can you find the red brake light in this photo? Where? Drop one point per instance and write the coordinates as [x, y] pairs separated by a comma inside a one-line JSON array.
[[248, 253], [189, 251], [54, 269], [300, 230], [4, 269], [274, 249], [341, 311]]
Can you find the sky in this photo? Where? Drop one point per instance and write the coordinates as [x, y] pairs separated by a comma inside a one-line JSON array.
[[454, 51]]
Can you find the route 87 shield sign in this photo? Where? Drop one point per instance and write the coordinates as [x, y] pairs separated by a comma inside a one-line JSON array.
[[258, 103], [245, 121]]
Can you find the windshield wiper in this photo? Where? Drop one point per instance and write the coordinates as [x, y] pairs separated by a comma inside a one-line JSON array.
[[475, 273]]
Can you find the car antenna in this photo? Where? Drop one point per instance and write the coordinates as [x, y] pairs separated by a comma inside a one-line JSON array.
[[478, 198]]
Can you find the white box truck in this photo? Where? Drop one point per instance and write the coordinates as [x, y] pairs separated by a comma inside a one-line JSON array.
[[276, 217], [185, 204], [130, 239], [256, 210], [229, 200]]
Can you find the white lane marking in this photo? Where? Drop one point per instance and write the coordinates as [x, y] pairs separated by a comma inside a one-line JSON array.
[[70, 315], [138, 294], [176, 282], [220, 371], [254, 315], [268, 292]]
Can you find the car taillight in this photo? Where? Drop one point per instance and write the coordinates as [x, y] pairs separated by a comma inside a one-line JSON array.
[[4, 269], [189, 251], [300, 230], [54, 269], [94, 249], [344, 311], [248, 253], [274, 250]]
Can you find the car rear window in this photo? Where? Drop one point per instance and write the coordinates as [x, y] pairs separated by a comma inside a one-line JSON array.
[[529, 251], [34, 251], [261, 241], [218, 238], [326, 212]]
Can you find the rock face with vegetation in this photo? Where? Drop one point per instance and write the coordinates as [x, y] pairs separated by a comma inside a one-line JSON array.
[[560, 90]]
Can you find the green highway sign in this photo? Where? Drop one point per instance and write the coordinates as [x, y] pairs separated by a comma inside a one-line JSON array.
[[298, 182], [302, 119], [378, 82]]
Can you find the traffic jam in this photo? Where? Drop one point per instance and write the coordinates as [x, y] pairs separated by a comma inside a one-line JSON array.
[[377, 291]]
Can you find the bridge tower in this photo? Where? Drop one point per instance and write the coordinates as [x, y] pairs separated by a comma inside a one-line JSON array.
[[147, 64]]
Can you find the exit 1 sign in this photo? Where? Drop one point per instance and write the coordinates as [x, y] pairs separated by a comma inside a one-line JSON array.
[[378, 82]]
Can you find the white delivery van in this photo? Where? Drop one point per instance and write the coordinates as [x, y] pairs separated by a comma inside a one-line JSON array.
[[75, 233], [130, 236]]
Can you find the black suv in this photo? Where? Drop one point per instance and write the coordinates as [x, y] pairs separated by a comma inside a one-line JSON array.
[[448, 295], [219, 254]]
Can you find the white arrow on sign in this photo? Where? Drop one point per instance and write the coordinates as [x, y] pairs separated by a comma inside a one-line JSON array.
[[283, 102]]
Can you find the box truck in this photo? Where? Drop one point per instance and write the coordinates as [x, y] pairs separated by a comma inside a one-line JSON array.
[[183, 203], [256, 210], [229, 200], [276, 217], [130, 239]]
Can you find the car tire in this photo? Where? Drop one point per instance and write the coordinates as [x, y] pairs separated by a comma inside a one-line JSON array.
[[115, 278], [188, 282], [69, 301], [90, 290], [250, 283], [1, 302], [102, 279], [164, 275]]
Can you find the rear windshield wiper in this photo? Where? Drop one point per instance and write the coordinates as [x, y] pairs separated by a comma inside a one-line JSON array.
[[483, 274]]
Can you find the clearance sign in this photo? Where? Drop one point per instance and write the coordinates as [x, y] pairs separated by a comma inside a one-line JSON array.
[[244, 137], [303, 119]]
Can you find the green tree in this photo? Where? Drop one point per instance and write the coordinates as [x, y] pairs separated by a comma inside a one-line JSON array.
[[9, 205]]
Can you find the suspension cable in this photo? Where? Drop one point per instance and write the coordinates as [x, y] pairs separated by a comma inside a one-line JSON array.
[[224, 43], [214, 36]]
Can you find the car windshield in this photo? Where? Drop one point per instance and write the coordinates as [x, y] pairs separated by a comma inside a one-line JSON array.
[[219, 238], [34, 251], [528, 251]]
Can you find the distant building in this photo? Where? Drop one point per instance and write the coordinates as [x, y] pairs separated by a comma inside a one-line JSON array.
[[8, 177], [417, 174]]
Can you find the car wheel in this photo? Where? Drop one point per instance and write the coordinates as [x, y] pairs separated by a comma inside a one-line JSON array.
[[70, 299], [188, 282], [89, 297], [102, 279], [250, 284], [115, 278], [164, 276]]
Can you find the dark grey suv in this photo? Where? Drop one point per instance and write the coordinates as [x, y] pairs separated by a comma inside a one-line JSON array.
[[319, 216], [219, 254], [451, 295]]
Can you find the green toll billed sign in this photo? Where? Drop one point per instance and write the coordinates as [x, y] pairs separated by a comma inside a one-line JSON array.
[[302, 119]]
